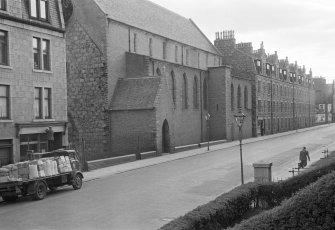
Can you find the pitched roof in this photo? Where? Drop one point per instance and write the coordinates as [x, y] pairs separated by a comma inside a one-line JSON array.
[[153, 18], [135, 93]]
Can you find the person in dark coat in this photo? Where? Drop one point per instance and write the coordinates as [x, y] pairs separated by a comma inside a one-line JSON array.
[[50, 135], [303, 157]]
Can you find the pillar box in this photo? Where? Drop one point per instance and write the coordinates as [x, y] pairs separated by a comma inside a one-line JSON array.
[[262, 171]]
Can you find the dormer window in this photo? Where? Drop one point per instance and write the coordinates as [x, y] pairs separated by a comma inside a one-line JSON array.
[[280, 73], [272, 69], [300, 79], [268, 69], [258, 66], [39, 9], [285, 74], [3, 5], [294, 77]]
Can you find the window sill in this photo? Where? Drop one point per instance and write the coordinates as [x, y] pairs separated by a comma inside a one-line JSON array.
[[6, 121], [5, 67], [42, 71], [45, 120]]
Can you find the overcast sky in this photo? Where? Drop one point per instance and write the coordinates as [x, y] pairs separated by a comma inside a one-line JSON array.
[[302, 30]]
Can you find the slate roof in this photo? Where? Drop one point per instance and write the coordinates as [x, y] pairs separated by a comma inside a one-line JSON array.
[[153, 18], [135, 93]]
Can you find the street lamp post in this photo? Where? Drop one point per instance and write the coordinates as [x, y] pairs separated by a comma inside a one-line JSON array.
[[239, 121], [207, 117]]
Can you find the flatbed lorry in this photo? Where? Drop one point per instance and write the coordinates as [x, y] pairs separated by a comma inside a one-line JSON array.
[[37, 187]]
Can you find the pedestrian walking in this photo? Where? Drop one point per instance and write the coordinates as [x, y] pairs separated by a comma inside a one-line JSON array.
[[304, 155]]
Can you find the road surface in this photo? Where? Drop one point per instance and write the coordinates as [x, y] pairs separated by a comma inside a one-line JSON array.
[[149, 197]]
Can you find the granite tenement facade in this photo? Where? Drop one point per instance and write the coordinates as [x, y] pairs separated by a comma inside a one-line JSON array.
[[283, 93], [33, 87]]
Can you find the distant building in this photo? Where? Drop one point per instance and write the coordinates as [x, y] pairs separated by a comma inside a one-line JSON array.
[[324, 100], [283, 96], [33, 93]]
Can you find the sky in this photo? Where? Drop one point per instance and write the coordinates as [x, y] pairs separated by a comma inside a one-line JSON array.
[[302, 30]]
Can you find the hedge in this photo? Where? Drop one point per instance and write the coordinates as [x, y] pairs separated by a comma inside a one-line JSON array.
[[311, 208], [229, 208]]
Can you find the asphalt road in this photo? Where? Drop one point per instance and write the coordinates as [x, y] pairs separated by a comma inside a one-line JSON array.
[[149, 197]]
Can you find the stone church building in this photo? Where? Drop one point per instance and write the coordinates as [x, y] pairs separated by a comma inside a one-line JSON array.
[[142, 78]]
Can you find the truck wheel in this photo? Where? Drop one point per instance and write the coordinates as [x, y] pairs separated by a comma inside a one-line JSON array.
[[40, 191], [8, 199], [77, 182]]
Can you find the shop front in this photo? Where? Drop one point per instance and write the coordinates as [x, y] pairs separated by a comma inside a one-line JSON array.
[[34, 137]]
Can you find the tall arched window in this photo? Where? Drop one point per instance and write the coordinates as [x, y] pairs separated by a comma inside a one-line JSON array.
[[246, 97], [173, 87], [195, 93], [185, 103], [232, 96], [239, 94], [158, 71], [205, 94]]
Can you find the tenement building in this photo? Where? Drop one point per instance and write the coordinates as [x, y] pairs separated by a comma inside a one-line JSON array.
[[283, 94], [142, 78], [324, 100], [33, 94]]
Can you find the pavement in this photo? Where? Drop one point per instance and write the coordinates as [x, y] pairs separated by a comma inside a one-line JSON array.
[[112, 170]]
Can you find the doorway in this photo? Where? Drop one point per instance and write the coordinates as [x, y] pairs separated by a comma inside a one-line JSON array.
[[166, 137]]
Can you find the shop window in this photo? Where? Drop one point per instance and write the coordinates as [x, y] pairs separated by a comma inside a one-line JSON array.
[[4, 102], [32, 143], [3, 47], [6, 153], [39, 9]]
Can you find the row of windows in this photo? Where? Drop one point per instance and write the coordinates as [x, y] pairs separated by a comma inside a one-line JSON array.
[[282, 73], [164, 50], [184, 94], [239, 97], [265, 106], [42, 103], [41, 51], [38, 9], [281, 91]]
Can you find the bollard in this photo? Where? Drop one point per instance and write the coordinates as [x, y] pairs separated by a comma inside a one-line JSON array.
[[262, 171]]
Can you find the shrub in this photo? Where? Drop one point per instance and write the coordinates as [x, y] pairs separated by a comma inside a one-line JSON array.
[[229, 208], [310, 208]]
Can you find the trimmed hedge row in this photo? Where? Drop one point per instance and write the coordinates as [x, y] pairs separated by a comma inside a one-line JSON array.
[[229, 208], [311, 208]]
